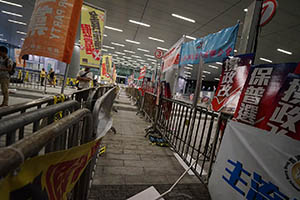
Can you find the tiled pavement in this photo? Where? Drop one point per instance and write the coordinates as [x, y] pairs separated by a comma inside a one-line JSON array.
[[131, 164]]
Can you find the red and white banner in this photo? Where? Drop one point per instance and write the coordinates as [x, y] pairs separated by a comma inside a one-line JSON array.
[[171, 58], [234, 75], [142, 73]]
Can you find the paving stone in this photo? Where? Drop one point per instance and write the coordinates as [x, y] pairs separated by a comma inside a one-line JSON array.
[[122, 156], [137, 171], [109, 180], [110, 162]]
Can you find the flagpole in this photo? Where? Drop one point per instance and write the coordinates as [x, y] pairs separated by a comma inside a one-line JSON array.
[[65, 78]]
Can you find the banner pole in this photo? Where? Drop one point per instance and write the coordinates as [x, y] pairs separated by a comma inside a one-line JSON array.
[[65, 78]]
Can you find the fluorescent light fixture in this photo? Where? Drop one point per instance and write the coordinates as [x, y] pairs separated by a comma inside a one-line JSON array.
[[108, 47], [104, 50], [154, 63], [11, 13], [189, 65], [120, 53], [127, 51], [217, 79], [266, 60], [22, 39], [150, 56], [131, 41], [10, 3], [188, 68], [246, 10], [127, 57], [134, 56], [141, 60], [184, 18], [139, 23], [206, 72], [114, 29], [219, 63], [190, 37], [115, 54], [4, 40], [284, 51], [164, 49], [17, 22], [144, 50], [104, 35], [151, 59], [155, 39], [235, 50], [20, 32], [118, 44], [212, 66]]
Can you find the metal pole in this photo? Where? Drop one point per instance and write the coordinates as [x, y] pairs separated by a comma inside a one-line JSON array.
[[65, 78]]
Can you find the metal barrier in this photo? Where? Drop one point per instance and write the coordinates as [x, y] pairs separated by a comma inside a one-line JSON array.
[[148, 106]]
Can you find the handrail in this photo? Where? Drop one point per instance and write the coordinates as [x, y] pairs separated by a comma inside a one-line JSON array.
[[11, 159], [12, 123]]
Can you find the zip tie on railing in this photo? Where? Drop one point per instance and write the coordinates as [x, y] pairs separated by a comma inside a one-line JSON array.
[[20, 153]]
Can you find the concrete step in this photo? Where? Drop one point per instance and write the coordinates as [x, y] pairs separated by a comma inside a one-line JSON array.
[[126, 107], [123, 101]]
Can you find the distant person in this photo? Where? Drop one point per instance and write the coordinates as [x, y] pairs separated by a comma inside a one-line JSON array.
[[43, 76], [6, 66], [84, 77], [51, 77]]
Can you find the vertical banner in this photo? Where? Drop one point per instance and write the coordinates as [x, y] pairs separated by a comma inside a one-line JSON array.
[[19, 61], [114, 77], [91, 36], [234, 75], [106, 68], [212, 48], [52, 29], [171, 58], [142, 73], [262, 85], [253, 164]]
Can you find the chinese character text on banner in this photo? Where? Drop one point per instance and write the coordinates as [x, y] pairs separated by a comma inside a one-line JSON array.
[[253, 164], [213, 47], [52, 29], [91, 36], [171, 58], [142, 73], [234, 75], [106, 69]]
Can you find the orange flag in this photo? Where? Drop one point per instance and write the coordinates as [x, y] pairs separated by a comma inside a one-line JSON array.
[[52, 29]]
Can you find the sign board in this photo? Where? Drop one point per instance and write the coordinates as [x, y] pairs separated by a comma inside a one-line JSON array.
[[91, 36], [52, 29], [171, 58], [234, 75], [212, 48], [158, 54], [268, 11], [255, 164]]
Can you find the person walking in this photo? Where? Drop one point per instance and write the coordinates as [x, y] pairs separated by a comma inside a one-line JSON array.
[[43, 76], [51, 77], [6, 66]]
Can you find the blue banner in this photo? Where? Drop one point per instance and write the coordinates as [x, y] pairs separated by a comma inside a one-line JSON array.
[[213, 47]]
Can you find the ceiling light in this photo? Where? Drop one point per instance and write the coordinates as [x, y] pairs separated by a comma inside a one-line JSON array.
[[144, 50], [10, 3], [127, 51], [20, 32], [212, 66], [108, 47], [127, 57], [162, 49], [284, 51], [4, 40], [266, 60], [188, 68], [186, 72], [219, 63], [136, 56], [11, 13], [184, 18], [114, 29], [22, 39], [189, 65], [140, 60], [118, 44], [206, 72], [150, 56], [155, 39], [235, 50], [190, 37], [139, 23], [246, 10], [151, 59], [154, 63], [120, 53], [104, 50], [131, 41], [217, 79], [17, 22], [104, 35]]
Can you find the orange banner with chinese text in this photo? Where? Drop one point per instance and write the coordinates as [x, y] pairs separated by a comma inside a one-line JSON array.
[[52, 29]]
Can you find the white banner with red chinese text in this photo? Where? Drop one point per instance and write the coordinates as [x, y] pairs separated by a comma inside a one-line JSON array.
[[255, 164], [171, 58]]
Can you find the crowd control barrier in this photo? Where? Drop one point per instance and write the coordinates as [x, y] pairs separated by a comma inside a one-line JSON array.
[[195, 137], [66, 146]]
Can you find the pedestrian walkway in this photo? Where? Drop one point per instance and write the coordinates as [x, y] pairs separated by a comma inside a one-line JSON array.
[[131, 164]]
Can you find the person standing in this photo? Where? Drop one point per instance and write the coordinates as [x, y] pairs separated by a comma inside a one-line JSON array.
[[84, 77], [6, 65], [51, 77], [43, 76]]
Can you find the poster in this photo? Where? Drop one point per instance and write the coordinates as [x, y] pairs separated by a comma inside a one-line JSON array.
[[284, 115], [106, 68], [262, 85], [253, 164], [213, 47], [91, 35], [234, 75], [19, 61], [171, 58], [52, 29], [51, 176], [142, 73]]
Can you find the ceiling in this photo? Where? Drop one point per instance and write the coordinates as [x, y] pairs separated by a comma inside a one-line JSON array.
[[210, 16]]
